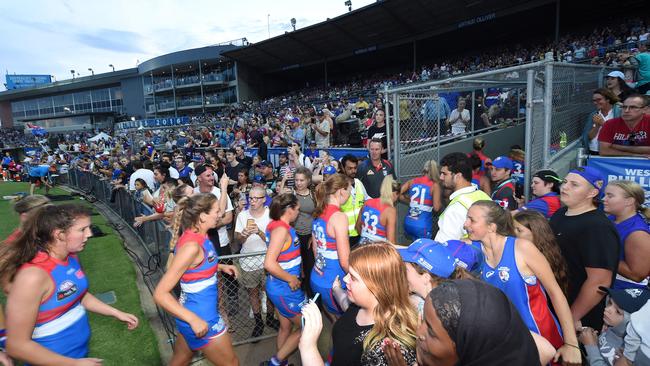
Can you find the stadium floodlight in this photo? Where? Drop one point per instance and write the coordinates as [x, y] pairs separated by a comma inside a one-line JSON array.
[[91, 71], [348, 3], [111, 66], [72, 72], [293, 23]]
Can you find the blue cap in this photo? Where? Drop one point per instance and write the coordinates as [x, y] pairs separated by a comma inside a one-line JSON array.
[[329, 170], [429, 255], [465, 255], [503, 162], [630, 300], [284, 152], [591, 175], [259, 179]]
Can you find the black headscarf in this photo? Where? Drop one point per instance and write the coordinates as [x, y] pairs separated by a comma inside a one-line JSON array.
[[486, 328]]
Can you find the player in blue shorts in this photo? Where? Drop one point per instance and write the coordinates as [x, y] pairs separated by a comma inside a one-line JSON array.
[[330, 239], [422, 194], [195, 265], [47, 322], [283, 262]]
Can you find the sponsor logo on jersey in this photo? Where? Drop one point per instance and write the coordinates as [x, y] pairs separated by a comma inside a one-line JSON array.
[[66, 289]]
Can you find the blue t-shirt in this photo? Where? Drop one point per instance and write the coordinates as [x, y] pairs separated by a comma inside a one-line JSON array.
[[39, 171], [6, 160]]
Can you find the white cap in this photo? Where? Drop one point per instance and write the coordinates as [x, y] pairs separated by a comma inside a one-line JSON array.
[[616, 74]]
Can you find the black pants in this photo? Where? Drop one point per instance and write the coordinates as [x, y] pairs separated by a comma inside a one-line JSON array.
[[307, 255]]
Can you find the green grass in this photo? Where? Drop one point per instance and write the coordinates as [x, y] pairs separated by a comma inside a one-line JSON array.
[[108, 268]]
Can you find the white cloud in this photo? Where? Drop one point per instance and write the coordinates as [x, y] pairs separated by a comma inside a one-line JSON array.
[[53, 37]]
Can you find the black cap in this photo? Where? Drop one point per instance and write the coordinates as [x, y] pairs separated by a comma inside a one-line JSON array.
[[200, 169]]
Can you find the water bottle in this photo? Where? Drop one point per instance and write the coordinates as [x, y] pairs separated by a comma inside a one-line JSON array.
[[563, 140]]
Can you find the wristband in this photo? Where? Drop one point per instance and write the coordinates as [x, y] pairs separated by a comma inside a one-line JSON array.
[[571, 345]]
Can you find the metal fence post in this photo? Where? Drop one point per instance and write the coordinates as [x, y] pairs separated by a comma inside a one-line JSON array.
[[530, 75], [396, 137], [548, 110], [388, 123]]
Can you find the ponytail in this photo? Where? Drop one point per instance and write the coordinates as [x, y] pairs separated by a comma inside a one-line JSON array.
[[327, 188]]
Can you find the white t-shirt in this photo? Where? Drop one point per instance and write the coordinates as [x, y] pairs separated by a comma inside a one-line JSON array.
[[253, 243], [173, 173], [322, 141], [593, 143], [458, 126], [223, 233], [145, 174]]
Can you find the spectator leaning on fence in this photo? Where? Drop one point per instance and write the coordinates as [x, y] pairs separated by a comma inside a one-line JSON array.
[[628, 135]]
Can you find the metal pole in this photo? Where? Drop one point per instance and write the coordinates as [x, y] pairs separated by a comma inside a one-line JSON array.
[[396, 137], [528, 153], [557, 20], [387, 119], [415, 56], [473, 104], [548, 109], [438, 137], [174, 91]]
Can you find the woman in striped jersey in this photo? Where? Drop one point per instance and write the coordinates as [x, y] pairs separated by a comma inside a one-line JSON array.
[[195, 265]]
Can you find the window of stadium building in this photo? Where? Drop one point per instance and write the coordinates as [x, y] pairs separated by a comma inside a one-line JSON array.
[[101, 100]]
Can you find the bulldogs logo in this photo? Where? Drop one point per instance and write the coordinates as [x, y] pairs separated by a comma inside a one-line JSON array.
[[504, 274], [66, 289]]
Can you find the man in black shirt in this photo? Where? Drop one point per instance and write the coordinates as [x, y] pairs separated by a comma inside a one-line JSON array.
[[589, 243], [233, 166], [371, 172], [246, 161], [378, 131]]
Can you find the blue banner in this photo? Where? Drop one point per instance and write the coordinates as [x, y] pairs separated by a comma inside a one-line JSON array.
[[634, 169], [154, 122], [26, 81]]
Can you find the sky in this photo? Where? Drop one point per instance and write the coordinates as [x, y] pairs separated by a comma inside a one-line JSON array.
[[52, 37]]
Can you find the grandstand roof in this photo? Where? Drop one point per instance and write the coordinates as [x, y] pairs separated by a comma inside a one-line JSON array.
[[380, 25]]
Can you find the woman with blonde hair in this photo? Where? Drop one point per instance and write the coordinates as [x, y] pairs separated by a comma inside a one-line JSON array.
[[330, 239], [195, 265], [378, 289], [623, 202], [377, 220], [422, 194], [24, 207]]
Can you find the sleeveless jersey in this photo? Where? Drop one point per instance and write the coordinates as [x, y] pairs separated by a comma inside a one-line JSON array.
[[289, 258], [62, 324], [525, 293], [371, 227], [546, 204], [199, 284], [625, 228], [327, 258], [418, 222]]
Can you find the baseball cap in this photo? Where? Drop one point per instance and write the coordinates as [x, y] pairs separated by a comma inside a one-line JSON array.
[[429, 255], [465, 255], [616, 74], [591, 175], [259, 179], [201, 168], [502, 162], [329, 170], [629, 299], [265, 163], [548, 176], [284, 152], [312, 142]]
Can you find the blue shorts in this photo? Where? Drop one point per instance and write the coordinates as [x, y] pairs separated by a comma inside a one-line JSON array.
[[216, 328], [327, 297], [418, 229], [286, 301]]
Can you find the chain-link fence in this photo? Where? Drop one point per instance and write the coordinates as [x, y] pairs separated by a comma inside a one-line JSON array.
[[552, 98], [239, 299]]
